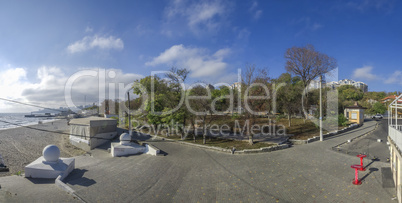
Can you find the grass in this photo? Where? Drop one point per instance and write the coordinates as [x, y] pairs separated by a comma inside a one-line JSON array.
[[223, 143], [300, 129]]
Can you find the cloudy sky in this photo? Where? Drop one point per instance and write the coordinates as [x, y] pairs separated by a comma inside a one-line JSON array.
[[43, 44]]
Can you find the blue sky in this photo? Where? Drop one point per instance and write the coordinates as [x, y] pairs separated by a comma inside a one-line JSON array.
[[42, 43]]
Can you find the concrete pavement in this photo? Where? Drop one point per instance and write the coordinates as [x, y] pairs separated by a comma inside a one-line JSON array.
[[368, 144], [305, 173]]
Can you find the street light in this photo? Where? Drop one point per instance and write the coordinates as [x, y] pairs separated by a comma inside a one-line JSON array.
[[321, 137]]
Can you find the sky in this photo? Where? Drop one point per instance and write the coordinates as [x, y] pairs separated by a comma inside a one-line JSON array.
[[45, 45]]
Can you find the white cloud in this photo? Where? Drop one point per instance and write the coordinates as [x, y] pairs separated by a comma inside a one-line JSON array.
[[365, 5], [197, 60], [89, 29], [307, 25], [199, 16], [49, 90], [395, 78], [92, 42], [12, 83], [255, 11], [364, 73]]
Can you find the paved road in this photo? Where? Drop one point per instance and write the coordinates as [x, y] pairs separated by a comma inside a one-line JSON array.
[[368, 144], [307, 173]]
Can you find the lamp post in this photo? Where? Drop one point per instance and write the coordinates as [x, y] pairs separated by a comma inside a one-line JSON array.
[[130, 131], [321, 137]]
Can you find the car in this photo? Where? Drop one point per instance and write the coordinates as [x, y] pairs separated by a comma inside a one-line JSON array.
[[377, 116]]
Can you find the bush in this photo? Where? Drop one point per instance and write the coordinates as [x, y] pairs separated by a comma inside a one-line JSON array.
[[235, 116], [279, 117], [342, 121]]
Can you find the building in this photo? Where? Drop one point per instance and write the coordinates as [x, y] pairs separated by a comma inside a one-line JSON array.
[[88, 133], [333, 85], [355, 113], [389, 99], [395, 143], [315, 84], [360, 85], [45, 113], [236, 85]]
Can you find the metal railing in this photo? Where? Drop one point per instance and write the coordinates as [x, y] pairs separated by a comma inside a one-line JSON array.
[[395, 121]]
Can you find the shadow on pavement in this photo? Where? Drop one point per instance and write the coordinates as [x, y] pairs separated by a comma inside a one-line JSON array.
[[371, 171], [76, 177], [41, 180]]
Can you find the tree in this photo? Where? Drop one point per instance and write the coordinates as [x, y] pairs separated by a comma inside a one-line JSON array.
[[379, 108], [308, 64], [289, 95], [177, 77], [202, 108], [158, 102], [255, 83]]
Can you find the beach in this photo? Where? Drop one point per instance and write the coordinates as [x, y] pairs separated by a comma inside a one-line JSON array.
[[20, 146]]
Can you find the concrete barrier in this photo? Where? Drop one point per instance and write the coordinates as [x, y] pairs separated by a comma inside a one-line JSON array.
[[152, 150]]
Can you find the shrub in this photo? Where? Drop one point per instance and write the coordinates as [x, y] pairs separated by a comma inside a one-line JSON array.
[[342, 121]]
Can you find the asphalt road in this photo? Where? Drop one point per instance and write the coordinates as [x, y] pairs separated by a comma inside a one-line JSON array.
[[369, 144]]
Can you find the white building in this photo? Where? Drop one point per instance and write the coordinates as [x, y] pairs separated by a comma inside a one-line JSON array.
[[359, 85], [236, 85], [315, 84]]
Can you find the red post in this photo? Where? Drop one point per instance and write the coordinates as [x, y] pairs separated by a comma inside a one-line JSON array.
[[356, 181], [361, 156]]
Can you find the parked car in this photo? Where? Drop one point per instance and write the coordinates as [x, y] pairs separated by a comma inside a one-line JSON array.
[[378, 116]]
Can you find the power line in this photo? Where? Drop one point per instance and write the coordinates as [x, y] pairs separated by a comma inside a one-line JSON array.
[[50, 131], [29, 127], [33, 105]]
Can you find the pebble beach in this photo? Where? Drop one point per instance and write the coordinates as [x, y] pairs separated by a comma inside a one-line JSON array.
[[20, 146]]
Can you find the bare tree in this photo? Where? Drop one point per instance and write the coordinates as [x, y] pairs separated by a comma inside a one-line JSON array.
[[308, 64], [255, 83]]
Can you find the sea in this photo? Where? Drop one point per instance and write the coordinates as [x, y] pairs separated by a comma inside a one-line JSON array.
[[14, 120]]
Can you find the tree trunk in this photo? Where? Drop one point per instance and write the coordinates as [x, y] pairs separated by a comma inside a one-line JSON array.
[[184, 126], [204, 134], [194, 135], [250, 136], [250, 139], [290, 119]]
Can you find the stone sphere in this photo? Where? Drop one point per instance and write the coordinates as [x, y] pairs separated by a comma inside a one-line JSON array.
[[51, 153], [125, 138]]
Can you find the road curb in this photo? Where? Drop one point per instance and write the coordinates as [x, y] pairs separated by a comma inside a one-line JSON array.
[[330, 134], [337, 147], [246, 151], [60, 184]]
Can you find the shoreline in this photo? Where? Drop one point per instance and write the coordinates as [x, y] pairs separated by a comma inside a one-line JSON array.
[[21, 145], [30, 123]]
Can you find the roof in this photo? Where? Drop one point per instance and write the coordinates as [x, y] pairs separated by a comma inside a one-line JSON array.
[[355, 106], [88, 120], [390, 97]]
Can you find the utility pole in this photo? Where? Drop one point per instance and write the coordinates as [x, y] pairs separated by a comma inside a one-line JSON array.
[[321, 137], [129, 115]]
